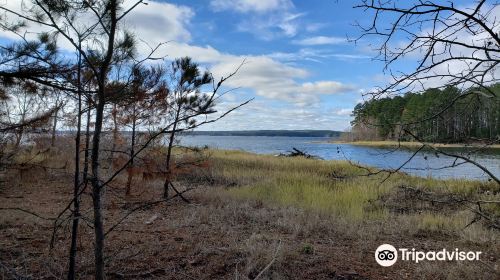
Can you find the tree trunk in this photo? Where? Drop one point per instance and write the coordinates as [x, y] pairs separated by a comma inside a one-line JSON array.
[[97, 192], [76, 186], [19, 136], [132, 151], [87, 148], [128, 189], [115, 137], [169, 155], [96, 140], [54, 124]]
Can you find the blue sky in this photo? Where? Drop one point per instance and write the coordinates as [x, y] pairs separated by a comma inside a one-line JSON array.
[[299, 66], [309, 36]]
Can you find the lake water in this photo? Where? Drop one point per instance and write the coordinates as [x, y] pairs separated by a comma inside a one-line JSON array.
[[424, 164]]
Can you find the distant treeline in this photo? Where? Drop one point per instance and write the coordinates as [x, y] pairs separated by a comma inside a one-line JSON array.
[[283, 133], [472, 116], [270, 133]]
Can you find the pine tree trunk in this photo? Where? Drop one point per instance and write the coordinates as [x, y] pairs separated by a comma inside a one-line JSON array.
[[76, 187], [87, 148], [96, 186], [132, 152], [97, 194], [54, 125], [169, 155], [19, 136], [115, 138]]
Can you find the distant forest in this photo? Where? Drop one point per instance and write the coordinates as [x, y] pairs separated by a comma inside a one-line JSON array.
[[283, 133], [474, 116]]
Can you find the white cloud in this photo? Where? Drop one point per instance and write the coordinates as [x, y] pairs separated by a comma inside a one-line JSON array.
[[245, 6], [160, 22], [30, 31], [302, 54], [344, 56], [271, 79], [326, 87], [260, 115], [320, 40], [156, 22], [271, 26], [264, 75], [316, 55], [288, 24], [266, 20], [343, 112], [313, 27]]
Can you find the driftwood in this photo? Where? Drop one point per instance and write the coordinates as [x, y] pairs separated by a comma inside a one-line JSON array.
[[298, 153]]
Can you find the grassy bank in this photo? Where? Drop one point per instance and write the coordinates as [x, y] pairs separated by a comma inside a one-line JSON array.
[[338, 188]]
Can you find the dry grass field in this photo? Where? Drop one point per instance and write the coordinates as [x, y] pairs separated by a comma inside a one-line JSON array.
[[251, 216]]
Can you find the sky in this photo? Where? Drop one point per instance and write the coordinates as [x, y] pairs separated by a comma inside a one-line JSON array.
[[299, 65]]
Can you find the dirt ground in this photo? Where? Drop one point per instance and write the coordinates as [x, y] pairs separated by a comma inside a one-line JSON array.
[[213, 237]]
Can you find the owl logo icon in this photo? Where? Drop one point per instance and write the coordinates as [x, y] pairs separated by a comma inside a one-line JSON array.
[[386, 255]]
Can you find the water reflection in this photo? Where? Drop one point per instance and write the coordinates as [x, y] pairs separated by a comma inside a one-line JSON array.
[[425, 163]]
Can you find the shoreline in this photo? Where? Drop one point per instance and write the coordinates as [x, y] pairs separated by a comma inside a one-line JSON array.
[[403, 171], [413, 144]]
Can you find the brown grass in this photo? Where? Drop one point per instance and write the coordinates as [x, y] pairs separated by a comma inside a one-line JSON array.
[[227, 232]]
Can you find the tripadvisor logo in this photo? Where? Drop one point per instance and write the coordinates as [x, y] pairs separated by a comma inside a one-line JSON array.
[[387, 255]]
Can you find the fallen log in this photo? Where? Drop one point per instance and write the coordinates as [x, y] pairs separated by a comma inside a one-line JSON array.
[[298, 153]]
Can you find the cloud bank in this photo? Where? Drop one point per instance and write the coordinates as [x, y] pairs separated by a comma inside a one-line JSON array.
[[263, 75]]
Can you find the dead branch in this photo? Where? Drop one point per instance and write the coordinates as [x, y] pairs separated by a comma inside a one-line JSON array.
[[450, 199], [271, 262], [27, 212], [14, 273], [467, 159], [142, 207]]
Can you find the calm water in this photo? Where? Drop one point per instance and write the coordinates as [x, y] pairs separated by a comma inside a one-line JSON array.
[[424, 164]]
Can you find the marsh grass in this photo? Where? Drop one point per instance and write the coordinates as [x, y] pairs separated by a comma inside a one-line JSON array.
[[247, 204], [309, 184]]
